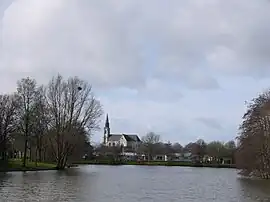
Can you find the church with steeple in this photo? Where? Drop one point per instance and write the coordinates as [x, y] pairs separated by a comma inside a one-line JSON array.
[[131, 141]]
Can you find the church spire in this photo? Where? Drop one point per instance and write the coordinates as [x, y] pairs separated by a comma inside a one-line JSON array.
[[107, 124], [106, 130]]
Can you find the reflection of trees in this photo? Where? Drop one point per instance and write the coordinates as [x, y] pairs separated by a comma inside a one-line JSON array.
[[253, 189], [67, 185], [74, 185], [4, 177]]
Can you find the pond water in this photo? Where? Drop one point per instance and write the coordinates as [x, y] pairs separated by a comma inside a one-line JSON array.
[[132, 184]]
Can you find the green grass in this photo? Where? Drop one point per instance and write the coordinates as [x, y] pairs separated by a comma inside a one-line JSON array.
[[17, 165], [99, 162], [156, 163]]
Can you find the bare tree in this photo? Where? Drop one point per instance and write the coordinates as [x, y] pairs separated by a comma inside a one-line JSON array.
[[191, 147], [201, 148], [40, 122], [8, 105], [216, 150], [150, 141], [253, 152], [230, 144], [71, 104], [27, 91], [230, 148], [178, 148]]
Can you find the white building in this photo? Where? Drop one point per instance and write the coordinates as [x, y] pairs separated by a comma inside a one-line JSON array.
[[131, 141]]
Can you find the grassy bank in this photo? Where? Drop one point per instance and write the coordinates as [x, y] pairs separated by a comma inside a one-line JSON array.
[[16, 165], [156, 163]]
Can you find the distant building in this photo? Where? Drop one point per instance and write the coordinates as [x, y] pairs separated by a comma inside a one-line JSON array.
[[128, 141]]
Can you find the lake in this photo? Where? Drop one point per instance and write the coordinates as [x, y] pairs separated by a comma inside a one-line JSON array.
[[132, 184]]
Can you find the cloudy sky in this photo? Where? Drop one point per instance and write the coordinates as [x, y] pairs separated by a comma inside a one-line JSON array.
[[180, 68]]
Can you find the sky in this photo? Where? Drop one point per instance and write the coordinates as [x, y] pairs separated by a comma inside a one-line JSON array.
[[182, 69]]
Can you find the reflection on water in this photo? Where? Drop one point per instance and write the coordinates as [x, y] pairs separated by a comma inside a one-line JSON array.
[[45, 186], [254, 189], [133, 183]]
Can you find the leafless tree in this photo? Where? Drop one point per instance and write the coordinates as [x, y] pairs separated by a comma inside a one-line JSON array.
[[230, 145], [230, 149], [112, 154], [201, 148], [178, 148], [71, 104], [191, 147], [40, 123], [215, 150], [163, 148], [8, 106], [27, 92], [150, 141], [253, 152]]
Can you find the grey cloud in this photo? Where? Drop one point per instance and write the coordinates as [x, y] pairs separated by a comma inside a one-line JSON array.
[[160, 91], [105, 41], [210, 122]]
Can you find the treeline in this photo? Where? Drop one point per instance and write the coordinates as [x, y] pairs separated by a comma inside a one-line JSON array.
[[199, 149], [50, 122], [152, 146]]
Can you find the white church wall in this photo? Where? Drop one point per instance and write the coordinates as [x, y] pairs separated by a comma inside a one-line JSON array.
[[112, 143], [123, 141]]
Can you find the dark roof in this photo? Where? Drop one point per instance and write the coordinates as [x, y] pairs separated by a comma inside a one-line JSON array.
[[114, 137], [134, 138], [129, 138]]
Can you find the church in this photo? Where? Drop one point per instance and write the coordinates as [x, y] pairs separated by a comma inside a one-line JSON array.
[[131, 141]]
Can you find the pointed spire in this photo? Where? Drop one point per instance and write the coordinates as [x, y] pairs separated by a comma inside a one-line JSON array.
[[107, 124]]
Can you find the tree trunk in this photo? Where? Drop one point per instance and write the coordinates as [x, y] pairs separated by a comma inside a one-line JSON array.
[[40, 149], [40, 155], [25, 152], [30, 153], [36, 155], [61, 163]]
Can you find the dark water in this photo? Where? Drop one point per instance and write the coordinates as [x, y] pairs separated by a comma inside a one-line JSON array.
[[133, 184]]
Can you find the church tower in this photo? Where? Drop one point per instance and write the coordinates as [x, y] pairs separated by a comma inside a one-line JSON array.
[[106, 130]]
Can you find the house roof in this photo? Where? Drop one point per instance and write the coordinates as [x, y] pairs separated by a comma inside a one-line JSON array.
[[129, 138]]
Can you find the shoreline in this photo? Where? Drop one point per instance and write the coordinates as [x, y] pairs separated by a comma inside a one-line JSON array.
[[25, 169], [116, 163], [15, 165], [156, 163]]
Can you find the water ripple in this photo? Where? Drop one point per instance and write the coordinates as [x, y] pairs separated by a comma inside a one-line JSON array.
[[133, 184]]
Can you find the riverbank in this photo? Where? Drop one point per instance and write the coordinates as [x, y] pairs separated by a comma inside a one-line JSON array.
[[154, 163], [16, 165]]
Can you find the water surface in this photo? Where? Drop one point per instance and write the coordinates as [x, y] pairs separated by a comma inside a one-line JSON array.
[[132, 184]]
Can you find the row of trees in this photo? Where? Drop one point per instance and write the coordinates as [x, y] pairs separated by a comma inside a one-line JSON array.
[[152, 146], [48, 122]]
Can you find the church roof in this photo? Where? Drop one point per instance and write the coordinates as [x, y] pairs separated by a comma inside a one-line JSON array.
[[132, 138], [114, 137], [129, 138]]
